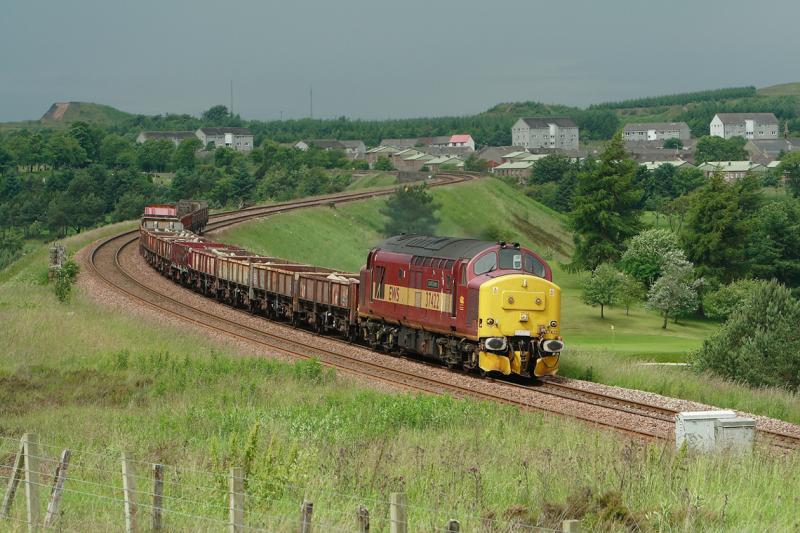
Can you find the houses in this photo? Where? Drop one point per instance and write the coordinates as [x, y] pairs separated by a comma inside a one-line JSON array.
[[239, 139], [731, 170], [493, 155], [677, 163], [463, 141], [352, 149], [765, 151], [656, 131], [175, 136], [747, 125], [373, 154], [642, 151], [545, 132]]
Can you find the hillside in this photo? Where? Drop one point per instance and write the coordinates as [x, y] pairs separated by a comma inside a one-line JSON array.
[[67, 112], [783, 89], [608, 350]]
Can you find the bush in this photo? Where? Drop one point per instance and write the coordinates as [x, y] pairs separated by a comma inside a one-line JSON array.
[[65, 278], [721, 303], [759, 344]]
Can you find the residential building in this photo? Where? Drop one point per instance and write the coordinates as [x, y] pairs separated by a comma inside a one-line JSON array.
[[747, 125], [545, 132], [656, 131], [413, 162], [435, 165], [518, 169], [373, 154], [653, 165], [352, 149], [765, 151], [654, 151], [493, 155], [239, 139], [731, 170], [175, 136], [463, 141]]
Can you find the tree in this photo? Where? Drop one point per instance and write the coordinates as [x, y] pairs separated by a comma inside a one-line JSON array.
[[630, 292], [717, 226], [475, 164], [759, 344], [551, 168], [155, 155], [88, 137], [216, 115], [647, 253], [773, 244], [116, 152], [790, 167], [384, 163], [721, 304], [602, 287], [7, 161], [675, 292], [410, 210], [242, 182], [65, 151], [224, 157], [185, 155], [605, 208], [710, 148], [673, 143]]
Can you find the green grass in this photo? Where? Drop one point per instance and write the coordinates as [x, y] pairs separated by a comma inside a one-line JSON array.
[[100, 381], [605, 350], [783, 89], [371, 179]]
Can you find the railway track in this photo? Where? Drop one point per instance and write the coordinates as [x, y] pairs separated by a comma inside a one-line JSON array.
[[640, 420]]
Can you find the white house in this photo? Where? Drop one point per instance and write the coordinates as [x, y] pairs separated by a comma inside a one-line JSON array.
[[747, 125], [239, 139]]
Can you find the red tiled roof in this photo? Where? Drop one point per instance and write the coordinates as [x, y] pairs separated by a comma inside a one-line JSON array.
[[460, 138]]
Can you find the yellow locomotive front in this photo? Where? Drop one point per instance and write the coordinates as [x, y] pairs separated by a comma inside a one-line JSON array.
[[518, 325]]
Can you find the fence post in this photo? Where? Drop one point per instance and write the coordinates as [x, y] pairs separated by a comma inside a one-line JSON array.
[[58, 489], [129, 489], [453, 526], [397, 513], [236, 500], [158, 495], [362, 519], [571, 526], [13, 481], [32, 479], [306, 512]]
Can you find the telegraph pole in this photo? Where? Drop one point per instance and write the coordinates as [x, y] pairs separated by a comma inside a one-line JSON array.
[[311, 102]]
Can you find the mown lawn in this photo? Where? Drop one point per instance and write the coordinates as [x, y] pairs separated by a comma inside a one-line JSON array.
[[607, 350], [100, 381]]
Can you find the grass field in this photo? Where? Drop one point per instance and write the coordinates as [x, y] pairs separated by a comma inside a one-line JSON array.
[[340, 238], [99, 382], [371, 179]]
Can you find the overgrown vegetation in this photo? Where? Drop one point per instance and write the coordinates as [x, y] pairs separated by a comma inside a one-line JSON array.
[[411, 209], [64, 278]]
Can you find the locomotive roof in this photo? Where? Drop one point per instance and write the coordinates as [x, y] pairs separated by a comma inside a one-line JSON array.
[[440, 247]]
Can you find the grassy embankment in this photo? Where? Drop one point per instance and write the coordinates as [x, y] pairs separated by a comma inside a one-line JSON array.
[[84, 377], [604, 350]]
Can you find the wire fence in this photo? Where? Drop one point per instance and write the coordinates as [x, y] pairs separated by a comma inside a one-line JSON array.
[[48, 488]]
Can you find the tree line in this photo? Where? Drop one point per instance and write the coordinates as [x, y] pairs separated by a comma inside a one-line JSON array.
[[680, 98]]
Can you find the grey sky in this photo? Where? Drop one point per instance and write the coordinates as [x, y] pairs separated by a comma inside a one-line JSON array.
[[376, 59]]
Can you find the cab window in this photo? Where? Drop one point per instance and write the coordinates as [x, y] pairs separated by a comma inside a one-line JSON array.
[[510, 259], [485, 264], [533, 266]]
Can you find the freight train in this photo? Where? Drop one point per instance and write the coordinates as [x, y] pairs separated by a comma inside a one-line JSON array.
[[471, 304]]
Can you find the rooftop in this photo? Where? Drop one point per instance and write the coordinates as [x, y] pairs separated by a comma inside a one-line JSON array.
[[544, 122], [639, 126], [732, 118]]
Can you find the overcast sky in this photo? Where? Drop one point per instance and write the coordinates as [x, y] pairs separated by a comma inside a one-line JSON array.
[[376, 59]]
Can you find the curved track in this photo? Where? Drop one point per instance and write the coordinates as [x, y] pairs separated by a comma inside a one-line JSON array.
[[634, 418]]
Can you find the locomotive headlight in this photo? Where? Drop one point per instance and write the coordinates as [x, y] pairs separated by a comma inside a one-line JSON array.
[[497, 344], [553, 323], [551, 346], [490, 321]]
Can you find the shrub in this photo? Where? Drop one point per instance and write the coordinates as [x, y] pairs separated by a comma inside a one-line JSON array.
[[64, 279], [759, 344], [721, 303]]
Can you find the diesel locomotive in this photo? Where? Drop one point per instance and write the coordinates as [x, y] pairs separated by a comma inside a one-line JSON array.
[[471, 304]]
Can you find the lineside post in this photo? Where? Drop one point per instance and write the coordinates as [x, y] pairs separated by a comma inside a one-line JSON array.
[[13, 481], [571, 526], [362, 519], [158, 495], [453, 526], [129, 490], [57, 490], [236, 501], [32, 479], [306, 512], [398, 519]]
